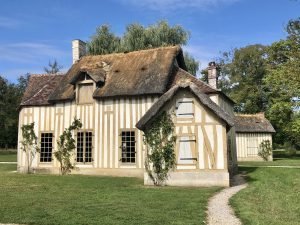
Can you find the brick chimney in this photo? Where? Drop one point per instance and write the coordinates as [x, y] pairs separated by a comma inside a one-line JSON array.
[[78, 49], [212, 74]]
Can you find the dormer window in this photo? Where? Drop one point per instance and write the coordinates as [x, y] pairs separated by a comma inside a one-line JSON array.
[[85, 93], [185, 108]]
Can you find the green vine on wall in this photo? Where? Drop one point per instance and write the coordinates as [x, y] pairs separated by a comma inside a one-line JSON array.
[[66, 146], [160, 155], [29, 144]]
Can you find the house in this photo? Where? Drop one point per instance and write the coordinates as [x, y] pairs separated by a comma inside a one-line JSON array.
[[116, 96], [251, 131]]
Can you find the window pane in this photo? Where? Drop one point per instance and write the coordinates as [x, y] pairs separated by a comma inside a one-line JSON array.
[[128, 146], [46, 147]]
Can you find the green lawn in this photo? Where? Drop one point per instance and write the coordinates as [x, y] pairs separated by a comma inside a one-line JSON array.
[[293, 161], [75, 199], [272, 197], [8, 156]]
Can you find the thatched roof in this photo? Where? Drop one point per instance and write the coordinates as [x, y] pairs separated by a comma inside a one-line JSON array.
[[182, 75], [145, 72], [39, 87], [155, 109], [126, 74], [253, 123]]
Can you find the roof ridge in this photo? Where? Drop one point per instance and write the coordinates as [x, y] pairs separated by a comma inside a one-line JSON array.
[[135, 51], [204, 83], [46, 74]]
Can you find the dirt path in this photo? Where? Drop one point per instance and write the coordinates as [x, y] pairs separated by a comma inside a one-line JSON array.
[[219, 211]]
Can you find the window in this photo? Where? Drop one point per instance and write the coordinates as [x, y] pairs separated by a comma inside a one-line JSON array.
[[84, 147], [85, 93], [46, 147], [128, 147], [185, 108], [252, 146], [186, 151]]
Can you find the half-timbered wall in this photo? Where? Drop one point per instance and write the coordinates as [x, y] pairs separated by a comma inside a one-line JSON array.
[[104, 118], [207, 131], [231, 135], [248, 145]]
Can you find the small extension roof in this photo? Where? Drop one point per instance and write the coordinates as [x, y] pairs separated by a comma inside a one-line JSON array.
[[155, 109]]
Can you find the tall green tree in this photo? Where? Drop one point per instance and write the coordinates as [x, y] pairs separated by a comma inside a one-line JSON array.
[[241, 76], [283, 82], [138, 37], [104, 41]]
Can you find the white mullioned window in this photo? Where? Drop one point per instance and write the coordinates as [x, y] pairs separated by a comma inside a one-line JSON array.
[[128, 146], [46, 147], [84, 147], [185, 108]]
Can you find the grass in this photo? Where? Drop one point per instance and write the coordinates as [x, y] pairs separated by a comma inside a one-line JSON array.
[[74, 199], [272, 197], [293, 161], [8, 156]]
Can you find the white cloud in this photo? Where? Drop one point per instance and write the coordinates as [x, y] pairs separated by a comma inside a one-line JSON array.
[[170, 5], [28, 52]]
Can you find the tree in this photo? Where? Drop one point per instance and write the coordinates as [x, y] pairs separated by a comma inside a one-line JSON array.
[[10, 98], [66, 146], [283, 82], [138, 37], [160, 141], [103, 42], [29, 144], [241, 74], [53, 68], [191, 64]]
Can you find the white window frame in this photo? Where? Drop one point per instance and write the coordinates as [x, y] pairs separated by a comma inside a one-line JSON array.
[[84, 147], [41, 143], [121, 143]]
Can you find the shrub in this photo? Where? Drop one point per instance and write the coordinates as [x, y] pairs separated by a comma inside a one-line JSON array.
[[66, 146], [265, 150]]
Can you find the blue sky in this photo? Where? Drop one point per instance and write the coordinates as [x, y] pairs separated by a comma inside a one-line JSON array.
[[33, 32]]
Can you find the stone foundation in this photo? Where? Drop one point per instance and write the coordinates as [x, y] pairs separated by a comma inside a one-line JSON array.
[[195, 179]]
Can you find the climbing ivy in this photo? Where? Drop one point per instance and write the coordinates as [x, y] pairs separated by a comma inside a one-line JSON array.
[[29, 144], [66, 146], [160, 155]]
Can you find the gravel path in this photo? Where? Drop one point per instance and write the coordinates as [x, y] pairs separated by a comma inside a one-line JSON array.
[[219, 212]]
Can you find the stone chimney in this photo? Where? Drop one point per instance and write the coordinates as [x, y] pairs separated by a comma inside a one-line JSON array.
[[212, 75], [78, 49]]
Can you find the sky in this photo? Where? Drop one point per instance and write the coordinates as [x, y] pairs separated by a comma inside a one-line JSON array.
[[34, 32]]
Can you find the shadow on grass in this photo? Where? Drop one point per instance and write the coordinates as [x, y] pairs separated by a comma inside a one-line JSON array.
[[246, 171]]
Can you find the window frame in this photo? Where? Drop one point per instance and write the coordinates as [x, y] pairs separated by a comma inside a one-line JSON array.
[[84, 146], [53, 142], [85, 82], [120, 146]]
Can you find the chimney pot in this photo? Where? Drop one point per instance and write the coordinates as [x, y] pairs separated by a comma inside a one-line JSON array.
[[78, 49]]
